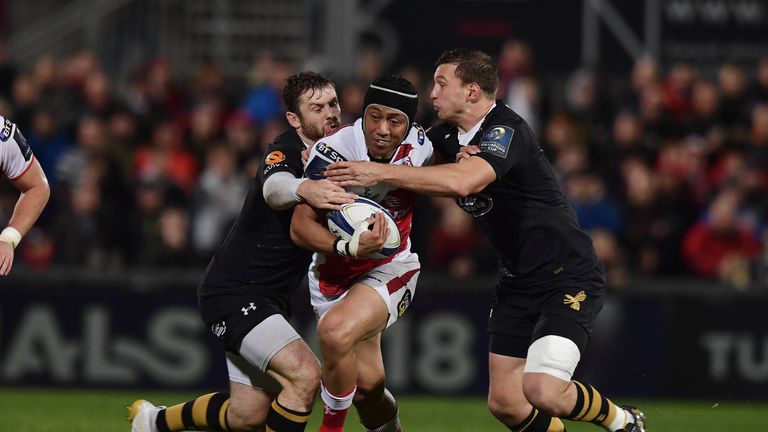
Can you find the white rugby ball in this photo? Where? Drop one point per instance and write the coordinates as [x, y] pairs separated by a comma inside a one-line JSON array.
[[342, 223]]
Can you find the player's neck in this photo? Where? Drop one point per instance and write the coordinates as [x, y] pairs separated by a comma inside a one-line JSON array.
[[474, 114], [308, 142]]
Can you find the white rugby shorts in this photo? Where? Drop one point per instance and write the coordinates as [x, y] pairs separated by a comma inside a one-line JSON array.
[[395, 282]]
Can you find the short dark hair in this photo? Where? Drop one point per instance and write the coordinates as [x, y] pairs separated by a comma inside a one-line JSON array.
[[300, 82], [473, 66]]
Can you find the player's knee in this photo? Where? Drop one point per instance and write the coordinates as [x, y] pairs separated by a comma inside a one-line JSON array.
[[335, 335], [539, 395], [548, 370], [507, 406]]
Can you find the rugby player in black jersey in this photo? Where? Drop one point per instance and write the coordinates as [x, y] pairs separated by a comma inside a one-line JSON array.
[[245, 293], [551, 283]]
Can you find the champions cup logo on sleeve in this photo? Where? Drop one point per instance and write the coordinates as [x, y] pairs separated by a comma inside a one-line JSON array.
[[497, 140], [420, 135]]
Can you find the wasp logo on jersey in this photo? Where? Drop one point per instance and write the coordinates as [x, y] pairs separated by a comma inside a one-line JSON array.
[[575, 301], [477, 205], [219, 328], [404, 302]]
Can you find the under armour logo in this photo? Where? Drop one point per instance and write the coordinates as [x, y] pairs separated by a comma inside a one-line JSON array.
[[446, 136], [248, 308]]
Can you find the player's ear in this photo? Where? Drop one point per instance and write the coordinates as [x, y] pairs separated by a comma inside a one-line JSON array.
[[474, 92], [293, 119]]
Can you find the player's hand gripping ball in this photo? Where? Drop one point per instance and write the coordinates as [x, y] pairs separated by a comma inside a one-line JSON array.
[[342, 223]]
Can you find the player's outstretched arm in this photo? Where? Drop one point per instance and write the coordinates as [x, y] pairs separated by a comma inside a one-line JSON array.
[[282, 191], [35, 192], [453, 180]]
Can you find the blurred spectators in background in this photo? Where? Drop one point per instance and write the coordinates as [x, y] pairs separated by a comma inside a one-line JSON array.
[[666, 168]]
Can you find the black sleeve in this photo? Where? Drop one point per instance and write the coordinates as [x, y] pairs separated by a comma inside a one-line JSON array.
[[438, 135], [282, 155], [503, 147]]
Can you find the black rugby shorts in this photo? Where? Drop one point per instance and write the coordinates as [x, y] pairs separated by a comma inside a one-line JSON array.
[[231, 316], [520, 316]]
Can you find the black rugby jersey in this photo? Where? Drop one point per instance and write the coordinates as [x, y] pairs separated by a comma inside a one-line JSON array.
[[523, 212], [257, 255]]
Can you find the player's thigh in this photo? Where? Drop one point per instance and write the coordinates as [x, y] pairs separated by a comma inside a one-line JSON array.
[[243, 372], [295, 364], [505, 391], [359, 314], [395, 282], [511, 324]]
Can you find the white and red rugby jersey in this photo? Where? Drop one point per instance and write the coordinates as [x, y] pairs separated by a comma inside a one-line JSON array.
[[15, 154], [335, 274]]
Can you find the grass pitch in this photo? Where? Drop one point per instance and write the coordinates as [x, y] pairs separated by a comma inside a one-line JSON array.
[[25, 410]]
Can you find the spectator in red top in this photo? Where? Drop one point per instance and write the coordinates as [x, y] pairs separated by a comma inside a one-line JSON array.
[[719, 246], [166, 159]]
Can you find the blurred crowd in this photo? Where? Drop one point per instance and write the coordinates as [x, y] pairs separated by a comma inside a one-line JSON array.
[[666, 167]]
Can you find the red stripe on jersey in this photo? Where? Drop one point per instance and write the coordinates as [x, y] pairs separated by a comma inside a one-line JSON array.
[[401, 281], [337, 274]]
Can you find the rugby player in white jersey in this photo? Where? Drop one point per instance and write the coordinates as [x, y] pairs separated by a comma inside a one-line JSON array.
[[356, 298], [25, 174]]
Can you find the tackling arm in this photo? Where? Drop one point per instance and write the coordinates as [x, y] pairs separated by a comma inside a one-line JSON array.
[[282, 191], [307, 231], [454, 179]]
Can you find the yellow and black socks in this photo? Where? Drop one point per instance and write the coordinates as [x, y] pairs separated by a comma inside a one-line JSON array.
[[282, 419], [595, 408], [539, 421], [206, 413]]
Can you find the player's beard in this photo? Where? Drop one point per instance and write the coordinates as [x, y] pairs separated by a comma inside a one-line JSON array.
[[314, 133]]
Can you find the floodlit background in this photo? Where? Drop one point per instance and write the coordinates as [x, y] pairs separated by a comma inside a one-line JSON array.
[[150, 117]]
